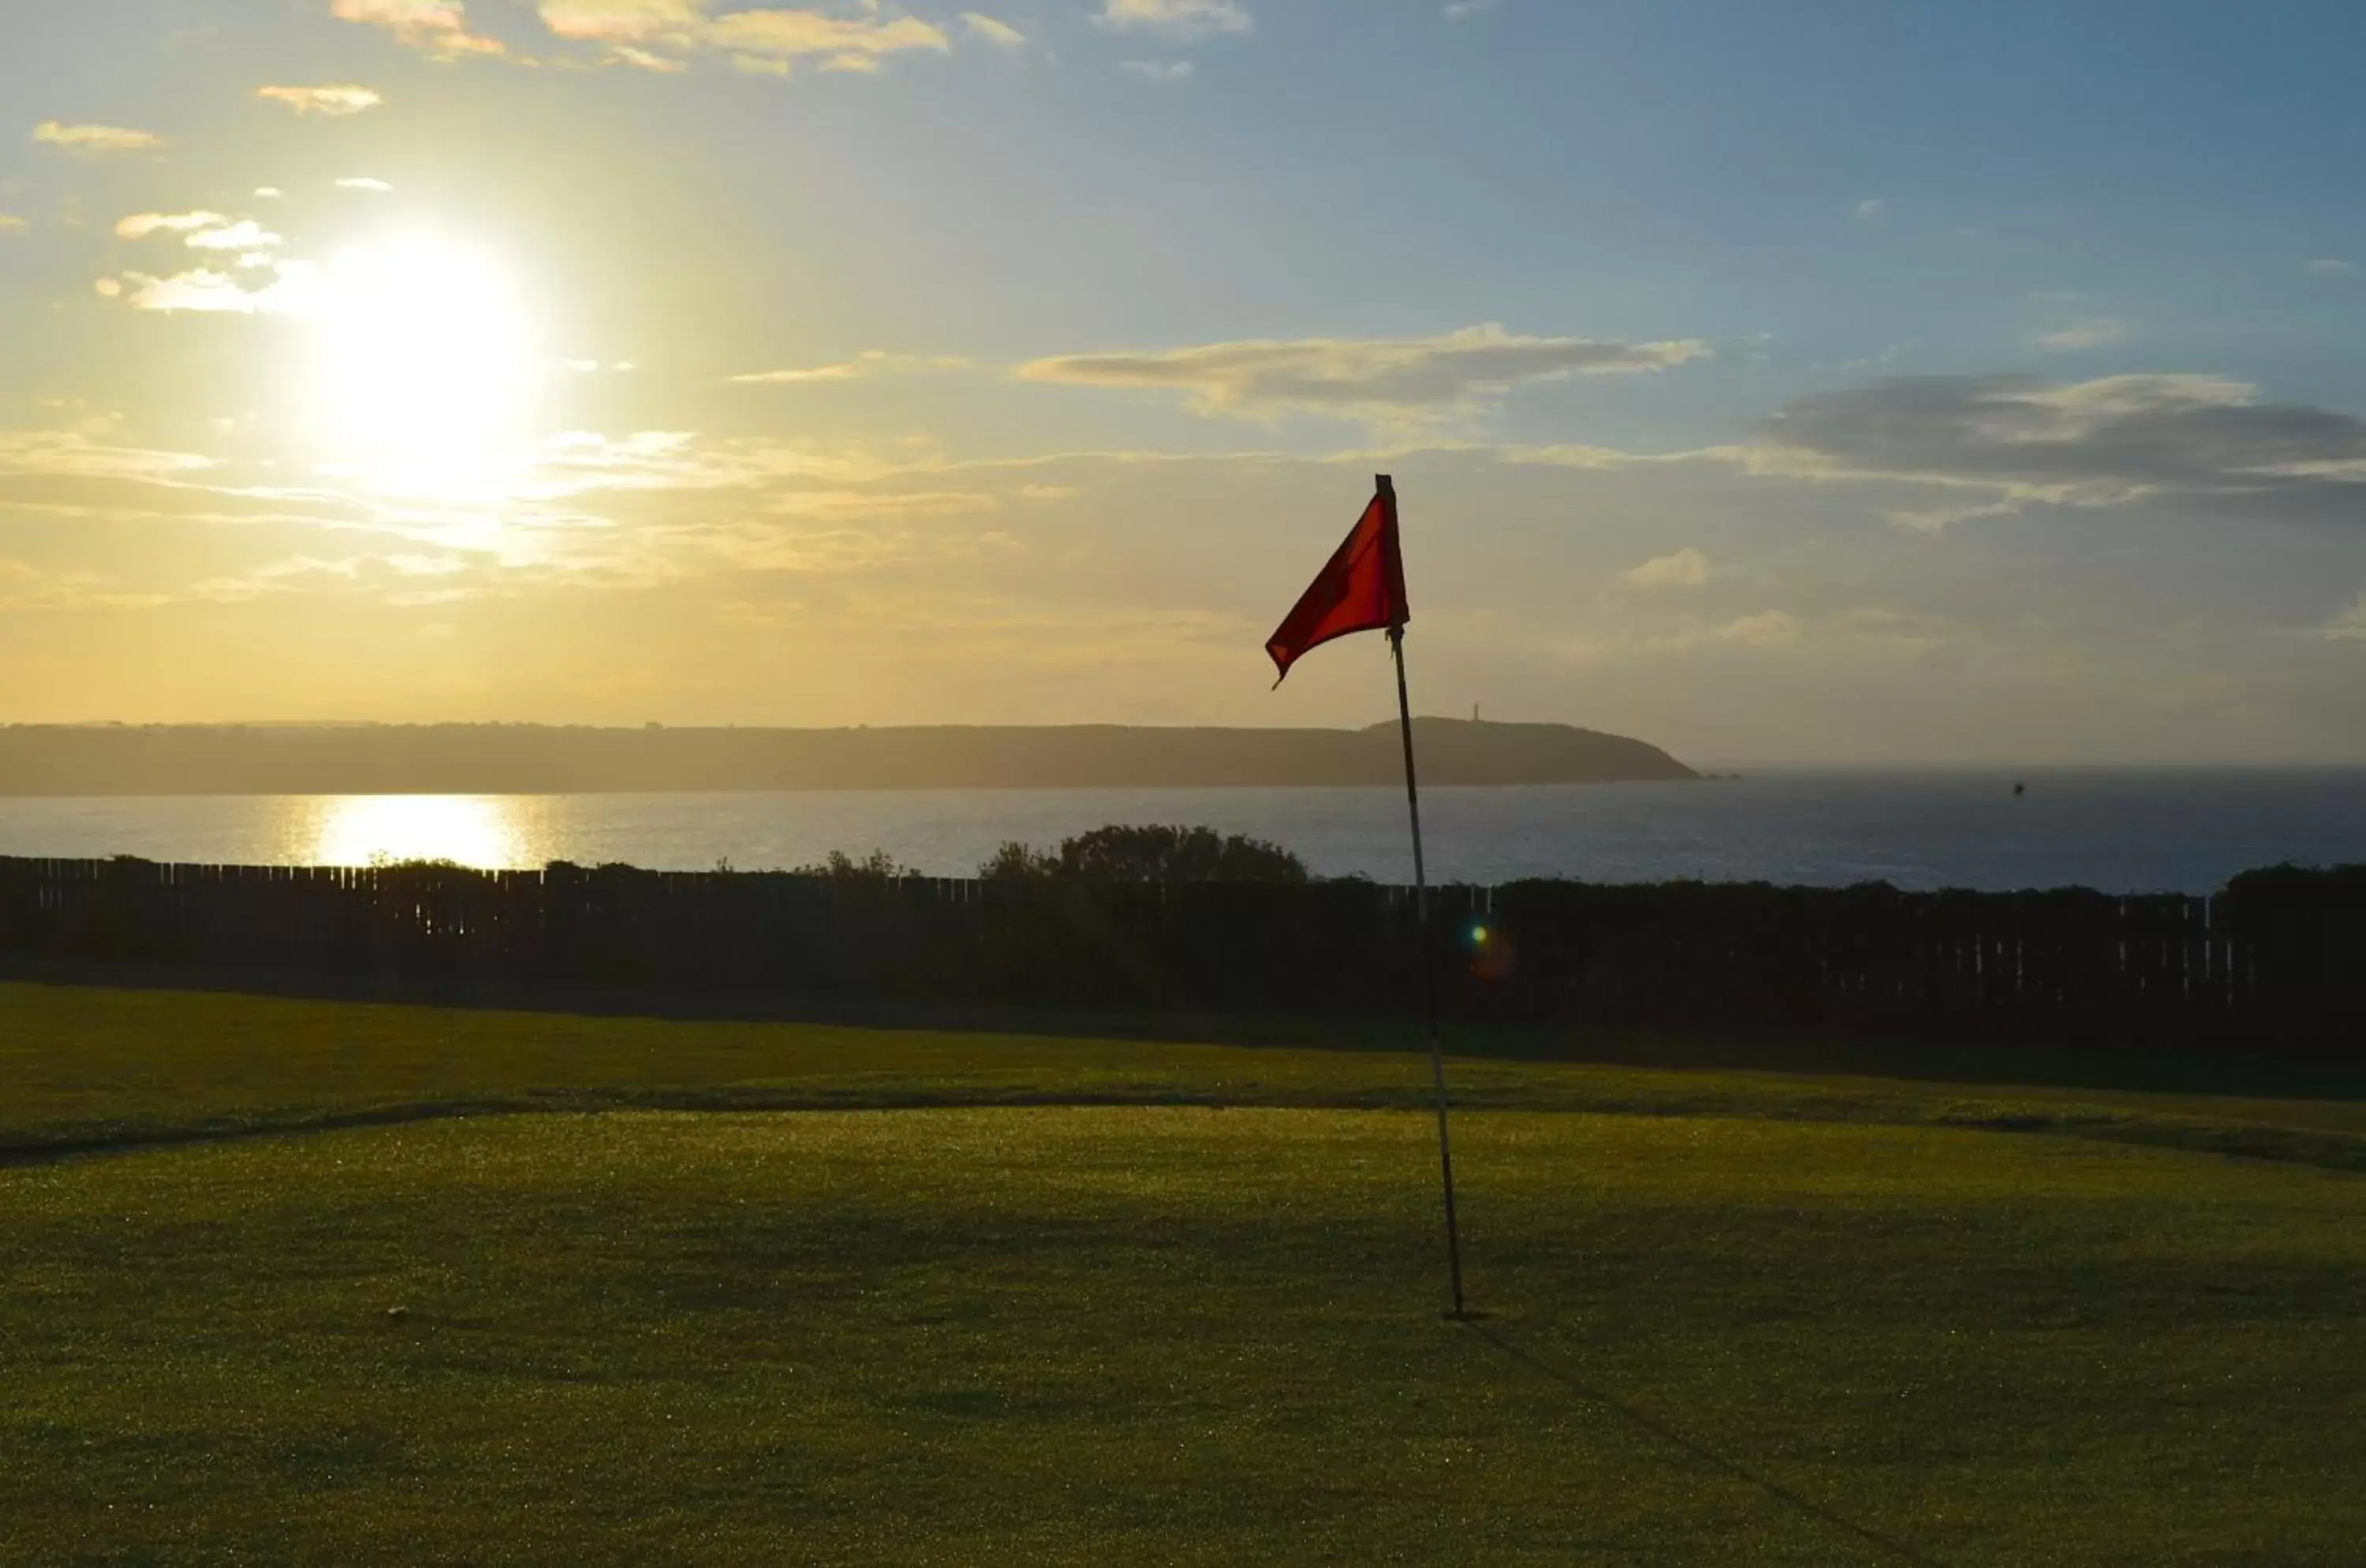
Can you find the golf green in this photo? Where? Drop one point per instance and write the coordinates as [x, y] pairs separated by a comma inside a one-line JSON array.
[[1726, 1321]]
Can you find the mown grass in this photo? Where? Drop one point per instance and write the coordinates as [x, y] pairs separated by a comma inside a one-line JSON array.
[[1732, 1319], [89, 1067]]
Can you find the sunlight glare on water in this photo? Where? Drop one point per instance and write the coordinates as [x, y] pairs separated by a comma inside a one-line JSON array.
[[485, 831]]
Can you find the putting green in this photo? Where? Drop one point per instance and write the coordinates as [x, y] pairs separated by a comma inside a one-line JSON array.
[[1178, 1334]]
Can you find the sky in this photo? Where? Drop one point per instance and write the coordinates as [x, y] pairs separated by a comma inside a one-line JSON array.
[[1837, 382]]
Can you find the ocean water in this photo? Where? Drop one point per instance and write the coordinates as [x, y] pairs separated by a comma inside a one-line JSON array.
[[2118, 829]]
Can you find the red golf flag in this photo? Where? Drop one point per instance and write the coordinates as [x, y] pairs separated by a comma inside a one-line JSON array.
[[1360, 589]]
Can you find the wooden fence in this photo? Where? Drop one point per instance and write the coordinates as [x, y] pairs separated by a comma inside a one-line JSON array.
[[2272, 962]]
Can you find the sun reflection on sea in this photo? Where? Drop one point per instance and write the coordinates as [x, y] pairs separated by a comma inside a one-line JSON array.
[[378, 829]]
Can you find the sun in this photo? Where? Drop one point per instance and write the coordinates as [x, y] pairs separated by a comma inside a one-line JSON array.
[[426, 364]]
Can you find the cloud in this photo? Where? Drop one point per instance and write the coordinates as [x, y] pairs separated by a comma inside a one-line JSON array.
[[2099, 331], [674, 23], [24, 586], [856, 545], [1764, 629], [861, 505], [204, 291], [1182, 20], [2201, 447], [1686, 567], [657, 34], [1872, 211], [1369, 377], [2349, 626], [244, 235], [993, 31], [1631, 646], [1935, 519], [201, 230], [2329, 267], [1463, 10], [438, 27], [875, 362], [12, 224], [1819, 635], [2092, 443], [334, 102], [139, 226], [363, 183], [575, 462], [789, 34], [79, 456], [201, 290], [95, 139], [1153, 71]]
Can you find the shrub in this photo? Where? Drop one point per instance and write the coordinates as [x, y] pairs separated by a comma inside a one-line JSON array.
[[1015, 861], [877, 866], [1154, 853]]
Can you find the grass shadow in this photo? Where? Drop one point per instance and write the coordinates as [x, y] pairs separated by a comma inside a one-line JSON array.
[[1642, 1420], [2224, 1073]]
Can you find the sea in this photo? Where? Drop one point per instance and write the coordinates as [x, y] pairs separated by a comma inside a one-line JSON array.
[[2126, 830]]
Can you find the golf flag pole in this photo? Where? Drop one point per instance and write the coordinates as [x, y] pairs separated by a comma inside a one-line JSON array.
[[1362, 588], [1428, 948]]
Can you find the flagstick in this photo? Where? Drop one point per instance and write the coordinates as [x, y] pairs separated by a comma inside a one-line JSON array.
[[1428, 963]]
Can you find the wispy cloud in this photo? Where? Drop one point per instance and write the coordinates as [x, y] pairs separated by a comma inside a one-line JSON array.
[[336, 102], [659, 34], [2100, 331], [1763, 629], [140, 225], [1367, 377], [203, 291], [364, 183], [95, 139], [1182, 20], [1757, 631], [1872, 212], [1935, 519], [1463, 10], [993, 30], [12, 224], [2331, 266], [673, 23], [24, 586], [794, 35], [2349, 626], [244, 235], [200, 231], [877, 362], [1686, 567], [2206, 446], [576, 461], [1158, 70], [2092, 443], [439, 27], [81, 455]]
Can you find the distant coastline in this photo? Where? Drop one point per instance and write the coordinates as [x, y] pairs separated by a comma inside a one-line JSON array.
[[110, 760]]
